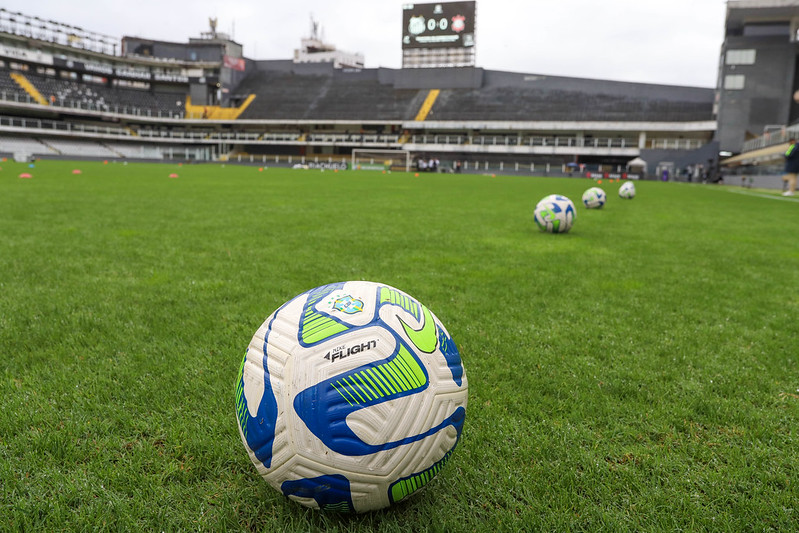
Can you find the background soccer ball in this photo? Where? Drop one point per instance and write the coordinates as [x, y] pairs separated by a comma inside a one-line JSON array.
[[594, 198], [555, 215], [627, 190], [351, 397]]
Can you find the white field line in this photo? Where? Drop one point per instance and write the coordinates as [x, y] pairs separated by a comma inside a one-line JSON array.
[[768, 196]]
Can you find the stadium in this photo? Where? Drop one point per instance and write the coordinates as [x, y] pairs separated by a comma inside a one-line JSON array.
[[159, 199], [205, 101]]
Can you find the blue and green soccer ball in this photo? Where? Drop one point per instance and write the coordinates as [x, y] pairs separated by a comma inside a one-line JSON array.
[[627, 190], [350, 397], [555, 214], [594, 198]]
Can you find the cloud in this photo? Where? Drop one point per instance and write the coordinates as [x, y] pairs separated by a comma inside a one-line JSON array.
[[676, 42]]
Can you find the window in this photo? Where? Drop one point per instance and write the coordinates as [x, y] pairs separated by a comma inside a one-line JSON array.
[[734, 82], [767, 29], [740, 57]]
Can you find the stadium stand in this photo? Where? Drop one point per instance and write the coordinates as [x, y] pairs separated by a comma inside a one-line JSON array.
[[9, 89], [64, 101], [509, 103], [23, 145], [318, 92], [78, 149], [97, 97], [136, 151], [81, 148]]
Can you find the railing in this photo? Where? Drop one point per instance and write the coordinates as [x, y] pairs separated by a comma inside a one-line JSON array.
[[555, 142], [281, 137], [770, 138], [353, 138], [45, 126], [264, 137], [674, 144], [54, 125], [36, 125]]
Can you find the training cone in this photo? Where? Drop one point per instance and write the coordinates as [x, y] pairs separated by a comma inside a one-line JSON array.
[[173, 175], [25, 175], [77, 171]]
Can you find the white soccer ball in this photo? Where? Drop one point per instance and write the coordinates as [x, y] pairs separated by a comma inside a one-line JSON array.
[[351, 397], [627, 190], [551, 198], [555, 215], [594, 198]]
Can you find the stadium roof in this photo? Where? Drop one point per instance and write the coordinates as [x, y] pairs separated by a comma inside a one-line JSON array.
[[739, 11], [763, 155]]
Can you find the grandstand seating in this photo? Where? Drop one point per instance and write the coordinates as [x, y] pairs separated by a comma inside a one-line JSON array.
[[10, 87], [81, 148], [97, 97], [136, 151], [328, 94], [312, 109], [335, 95], [508, 103], [39, 147], [24, 145]]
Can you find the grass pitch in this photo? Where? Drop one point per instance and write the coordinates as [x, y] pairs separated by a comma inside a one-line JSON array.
[[638, 373]]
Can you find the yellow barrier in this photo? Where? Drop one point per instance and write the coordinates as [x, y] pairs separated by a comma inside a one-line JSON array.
[[427, 105], [215, 112], [23, 82]]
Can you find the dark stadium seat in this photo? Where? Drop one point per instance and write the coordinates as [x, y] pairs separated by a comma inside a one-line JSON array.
[[10, 87], [510, 103]]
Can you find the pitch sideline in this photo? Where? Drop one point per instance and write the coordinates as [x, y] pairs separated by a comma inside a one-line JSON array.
[[768, 196]]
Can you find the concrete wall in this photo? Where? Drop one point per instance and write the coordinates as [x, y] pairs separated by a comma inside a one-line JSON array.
[[646, 91], [429, 78], [207, 51], [767, 96], [706, 155]]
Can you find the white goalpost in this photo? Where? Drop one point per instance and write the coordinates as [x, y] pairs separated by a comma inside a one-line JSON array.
[[365, 159]]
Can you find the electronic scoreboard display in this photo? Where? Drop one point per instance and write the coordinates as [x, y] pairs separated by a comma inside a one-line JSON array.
[[443, 25]]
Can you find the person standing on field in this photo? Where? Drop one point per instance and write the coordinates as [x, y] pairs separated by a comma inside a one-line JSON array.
[[791, 167]]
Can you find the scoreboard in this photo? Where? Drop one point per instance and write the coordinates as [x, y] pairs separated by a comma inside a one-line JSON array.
[[440, 25]]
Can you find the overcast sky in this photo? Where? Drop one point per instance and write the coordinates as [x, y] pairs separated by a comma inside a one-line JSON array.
[[674, 42]]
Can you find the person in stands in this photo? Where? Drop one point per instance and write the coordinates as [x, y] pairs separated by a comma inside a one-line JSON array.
[[791, 167]]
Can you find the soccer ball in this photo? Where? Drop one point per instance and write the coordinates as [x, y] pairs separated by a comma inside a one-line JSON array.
[[351, 397], [594, 198], [551, 198], [555, 214], [627, 190]]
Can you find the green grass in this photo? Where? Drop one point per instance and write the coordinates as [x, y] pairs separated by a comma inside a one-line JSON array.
[[638, 373]]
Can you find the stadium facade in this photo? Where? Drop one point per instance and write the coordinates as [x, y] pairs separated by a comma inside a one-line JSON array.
[[67, 92], [758, 75], [758, 89]]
